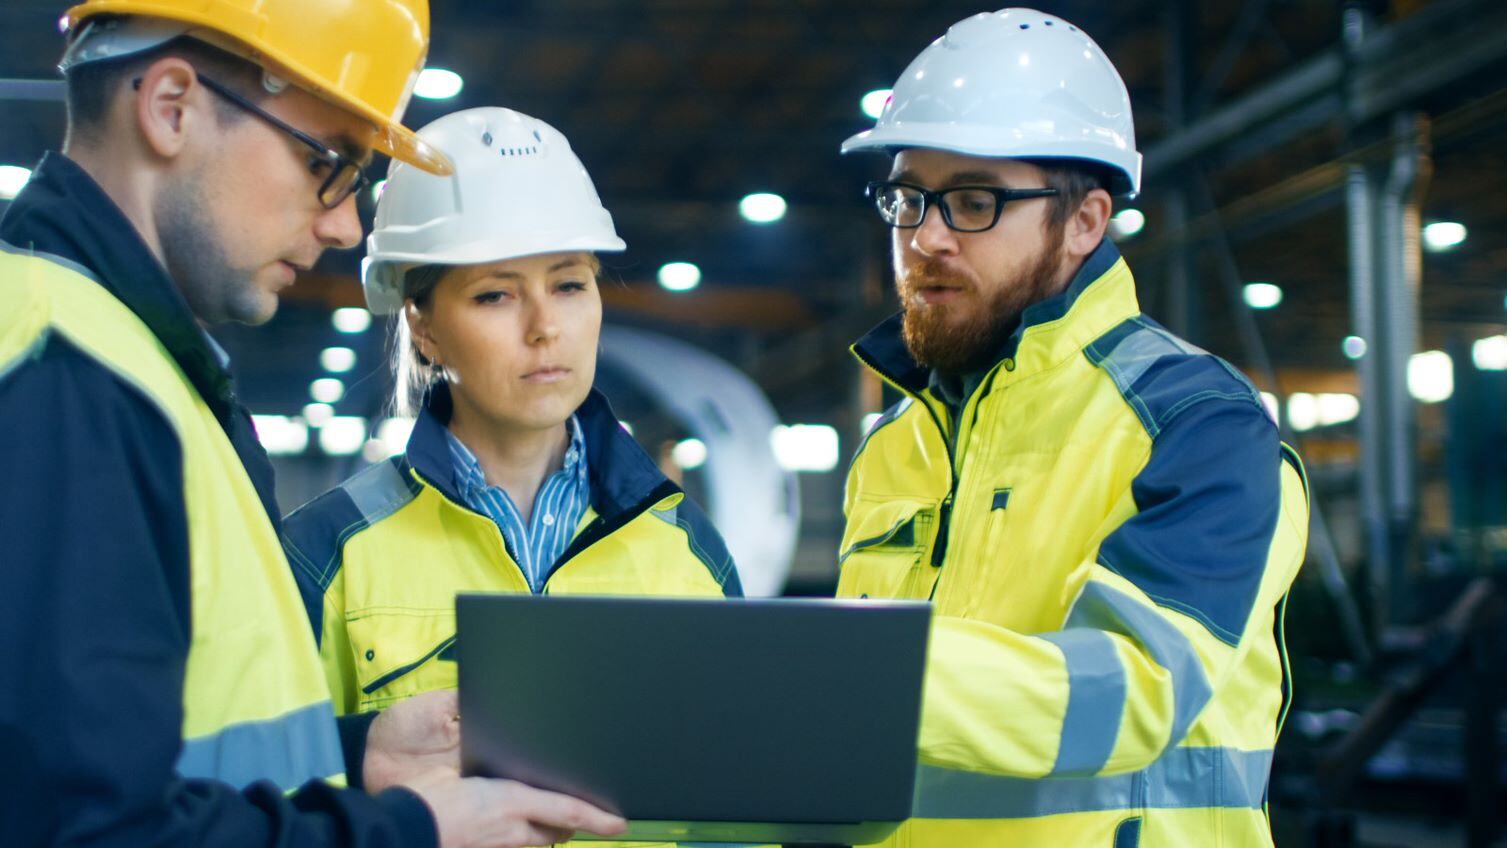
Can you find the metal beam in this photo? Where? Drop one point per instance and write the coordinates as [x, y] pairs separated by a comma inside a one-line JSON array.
[[1384, 71]]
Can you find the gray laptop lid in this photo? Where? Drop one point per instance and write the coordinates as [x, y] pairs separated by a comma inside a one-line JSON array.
[[697, 710]]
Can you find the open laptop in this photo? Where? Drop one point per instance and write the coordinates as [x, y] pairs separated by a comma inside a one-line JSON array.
[[755, 721]]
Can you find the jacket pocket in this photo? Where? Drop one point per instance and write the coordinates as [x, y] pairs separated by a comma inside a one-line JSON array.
[[401, 652], [882, 547], [1128, 834]]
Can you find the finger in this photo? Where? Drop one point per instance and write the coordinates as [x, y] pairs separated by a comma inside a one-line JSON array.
[[563, 811]]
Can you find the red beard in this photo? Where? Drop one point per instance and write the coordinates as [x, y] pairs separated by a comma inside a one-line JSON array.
[[951, 340]]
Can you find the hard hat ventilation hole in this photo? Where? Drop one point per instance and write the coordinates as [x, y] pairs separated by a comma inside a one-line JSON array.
[[1072, 29], [1048, 23], [1025, 26], [486, 138]]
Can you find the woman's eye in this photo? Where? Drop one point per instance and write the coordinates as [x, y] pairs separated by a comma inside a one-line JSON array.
[[489, 296], [319, 166], [572, 286]]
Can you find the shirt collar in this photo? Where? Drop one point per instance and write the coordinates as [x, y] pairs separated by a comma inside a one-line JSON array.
[[619, 474], [471, 479]]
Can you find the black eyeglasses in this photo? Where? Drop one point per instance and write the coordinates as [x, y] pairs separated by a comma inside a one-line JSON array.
[[966, 209], [343, 175]]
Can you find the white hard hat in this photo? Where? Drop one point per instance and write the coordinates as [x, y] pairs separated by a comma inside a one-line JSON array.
[[518, 190], [1015, 84]]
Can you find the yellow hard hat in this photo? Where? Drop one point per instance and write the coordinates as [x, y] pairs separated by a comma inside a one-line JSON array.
[[361, 55]]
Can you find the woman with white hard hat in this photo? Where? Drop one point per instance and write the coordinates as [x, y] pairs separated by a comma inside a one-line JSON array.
[[517, 476]]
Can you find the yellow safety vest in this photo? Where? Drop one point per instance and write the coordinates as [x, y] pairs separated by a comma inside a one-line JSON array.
[[1104, 668], [255, 704]]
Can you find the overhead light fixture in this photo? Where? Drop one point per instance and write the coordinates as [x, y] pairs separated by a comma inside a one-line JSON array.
[[1126, 223], [12, 178], [679, 276], [870, 419], [1490, 353], [1306, 411], [327, 390], [377, 188], [874, 102], [1273, 409], [762, 207], [390, 440], [337, 360], [1262, 295], [805, 447], [280, 434], [342, 435], [1443, 235], [1431, 376], [689, 454], [1354, 347], [318, 413], [438, 84], [351, 319]]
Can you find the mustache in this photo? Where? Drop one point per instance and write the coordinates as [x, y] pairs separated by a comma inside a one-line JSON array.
[[930, 273]]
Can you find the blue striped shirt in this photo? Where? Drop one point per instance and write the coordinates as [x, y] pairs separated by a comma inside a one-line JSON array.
[[558, 506]]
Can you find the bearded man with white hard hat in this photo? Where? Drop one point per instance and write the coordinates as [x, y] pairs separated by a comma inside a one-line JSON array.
[[1103, 514]]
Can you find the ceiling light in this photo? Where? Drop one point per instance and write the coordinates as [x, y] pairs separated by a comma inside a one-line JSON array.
[[874, 102], [438, 84], [1262, 295], [342, 435], [351, 319], [1431, 376], [318, 413], [805, 447], [689, 453], [12, 178], [327, 390], [762, 207], [1126, 223], [281, 435], [1490, 353], [679, 276], [337, 360], [1443, 235], [1354, 347]]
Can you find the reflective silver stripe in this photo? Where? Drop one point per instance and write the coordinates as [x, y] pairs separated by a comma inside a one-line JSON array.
[[288, 750], [1103, 608], [1096, 701], [378, 491], [1182, 778]]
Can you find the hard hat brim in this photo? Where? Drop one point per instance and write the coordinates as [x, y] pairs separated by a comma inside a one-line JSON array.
[[389, 136]]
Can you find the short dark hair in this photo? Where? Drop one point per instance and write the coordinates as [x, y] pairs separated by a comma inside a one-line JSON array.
[[1073, 179], [91, 86]]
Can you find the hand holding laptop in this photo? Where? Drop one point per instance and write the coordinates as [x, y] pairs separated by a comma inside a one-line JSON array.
[[416, 744], [479, 812]]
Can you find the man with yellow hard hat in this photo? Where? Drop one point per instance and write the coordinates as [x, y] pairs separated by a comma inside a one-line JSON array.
[[159, 683]]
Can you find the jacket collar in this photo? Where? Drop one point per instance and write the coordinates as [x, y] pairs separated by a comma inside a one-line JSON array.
[[62, 212], [1100, 296], [621, 475]]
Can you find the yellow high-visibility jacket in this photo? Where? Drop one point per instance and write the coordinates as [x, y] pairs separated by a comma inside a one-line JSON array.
[[1108, 533], [255, 705], [381, 557]]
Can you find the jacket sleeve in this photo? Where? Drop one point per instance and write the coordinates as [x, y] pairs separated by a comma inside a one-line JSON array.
[[94, 638], [1211, 543]]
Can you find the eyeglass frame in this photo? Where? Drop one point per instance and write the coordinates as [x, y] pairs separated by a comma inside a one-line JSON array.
[[929, 198], [328, 156]]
